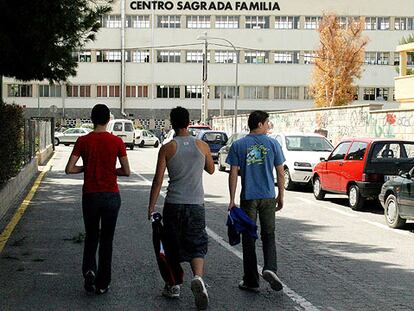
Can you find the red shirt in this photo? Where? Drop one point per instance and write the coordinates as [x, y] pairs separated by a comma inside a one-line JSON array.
[[99, 151]]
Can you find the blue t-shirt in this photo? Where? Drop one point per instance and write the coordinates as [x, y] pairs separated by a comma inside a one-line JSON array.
[[256, 155]]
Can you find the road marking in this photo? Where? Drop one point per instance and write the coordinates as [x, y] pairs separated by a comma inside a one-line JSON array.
[[333, 209], [5, 235], [373, 223], [302, 302]]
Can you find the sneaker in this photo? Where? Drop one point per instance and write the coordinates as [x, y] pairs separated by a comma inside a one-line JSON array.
[[89, 283], [273, 280], [171, 291], [244, 286], [101, 291], [200, 293]]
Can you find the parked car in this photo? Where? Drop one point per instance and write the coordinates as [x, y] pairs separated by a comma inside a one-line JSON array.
[[397, 199], [224, 151], [124, 129], [146, 138], [302, 152], [70, 135], [169, 137], [359, 167], [215, 140], [196, 128]]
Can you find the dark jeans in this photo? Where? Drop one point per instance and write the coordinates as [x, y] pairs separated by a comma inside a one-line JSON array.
[[100, 213], [266, 210]]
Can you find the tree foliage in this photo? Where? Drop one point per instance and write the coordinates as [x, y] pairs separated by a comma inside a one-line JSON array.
[[339, 60], [37, 37]]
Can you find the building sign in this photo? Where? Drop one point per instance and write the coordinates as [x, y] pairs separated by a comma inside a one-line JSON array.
[[205, 6]]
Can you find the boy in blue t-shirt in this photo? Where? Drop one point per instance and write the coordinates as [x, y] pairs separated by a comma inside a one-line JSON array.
[[255, 156]]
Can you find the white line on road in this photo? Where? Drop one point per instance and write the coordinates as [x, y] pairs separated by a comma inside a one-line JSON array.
[[302, 302], [373, 223]]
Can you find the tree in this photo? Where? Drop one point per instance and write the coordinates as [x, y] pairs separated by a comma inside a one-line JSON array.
[[37, 37], [339, 60]]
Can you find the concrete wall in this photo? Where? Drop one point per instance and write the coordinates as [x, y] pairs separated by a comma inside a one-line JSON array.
[[338, 122], [15, 186]]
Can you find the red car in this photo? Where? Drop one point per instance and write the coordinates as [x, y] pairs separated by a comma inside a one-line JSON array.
[[359, 167]]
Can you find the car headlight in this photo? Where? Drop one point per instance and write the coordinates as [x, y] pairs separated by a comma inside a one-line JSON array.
[[302, 164]]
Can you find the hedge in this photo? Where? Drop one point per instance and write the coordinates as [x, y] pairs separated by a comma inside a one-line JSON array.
[[11, 141]]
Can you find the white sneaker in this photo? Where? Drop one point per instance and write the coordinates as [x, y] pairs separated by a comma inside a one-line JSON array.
[[273, 280], [171, 291], [200, 293]]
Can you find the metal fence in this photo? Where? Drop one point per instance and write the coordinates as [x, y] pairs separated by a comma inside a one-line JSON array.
[[38, 135]]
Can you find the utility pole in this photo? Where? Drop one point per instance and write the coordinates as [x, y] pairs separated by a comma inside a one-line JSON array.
[[204, 103]]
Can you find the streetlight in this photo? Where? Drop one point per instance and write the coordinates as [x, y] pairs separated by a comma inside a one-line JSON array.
[[205, 38]]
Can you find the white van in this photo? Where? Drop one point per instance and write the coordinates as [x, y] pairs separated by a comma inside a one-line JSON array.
[[123, 128]]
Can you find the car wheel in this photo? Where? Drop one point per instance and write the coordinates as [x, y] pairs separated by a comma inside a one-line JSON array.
[[289, 184], [66, 144], [221, 168], [131, 147], [356, 201], [392, 213], [57, 142], [141, 144], [156, 144], [317, 189]]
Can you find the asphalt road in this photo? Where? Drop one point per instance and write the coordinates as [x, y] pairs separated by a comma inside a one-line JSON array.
[[329, 257]]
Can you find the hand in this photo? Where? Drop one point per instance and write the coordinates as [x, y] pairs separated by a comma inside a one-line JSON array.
[[231, 205], [151, 210], [279, 203]]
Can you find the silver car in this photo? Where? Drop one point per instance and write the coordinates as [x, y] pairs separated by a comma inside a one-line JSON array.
[[70, 135]]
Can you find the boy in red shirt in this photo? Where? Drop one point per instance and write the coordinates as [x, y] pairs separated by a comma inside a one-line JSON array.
[[100, 196]]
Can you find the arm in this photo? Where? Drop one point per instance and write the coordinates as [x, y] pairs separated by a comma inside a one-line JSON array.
[[209, 162], [71, 167], [234, 170], [157, 181], [280, 186], [124, 170]]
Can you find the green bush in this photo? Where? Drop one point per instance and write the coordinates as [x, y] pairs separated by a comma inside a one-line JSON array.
[[11, 141]]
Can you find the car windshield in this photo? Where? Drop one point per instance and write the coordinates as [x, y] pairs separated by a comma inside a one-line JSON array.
[[308, 143], [195, 130]]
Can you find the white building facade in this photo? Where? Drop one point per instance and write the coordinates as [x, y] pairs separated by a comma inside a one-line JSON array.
[[148, 58]]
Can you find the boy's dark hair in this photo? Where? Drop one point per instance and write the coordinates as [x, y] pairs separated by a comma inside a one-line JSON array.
[[179, 117], [100, 114], [256, 117]]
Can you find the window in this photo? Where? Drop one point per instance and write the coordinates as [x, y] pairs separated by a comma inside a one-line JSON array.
[[225, 57], [256, 57], [108, 91], [309, 57], [256, 92], [169, 21], [286, 92], [357, 151], [226, 91], [78, 90], [198, 22], [168, 56], [140, 91], [377, 23], [50, 91], [410, 59], [404, 23], [138, 21], [19, 90], [111, 21], [340, 151], [228, 22], [381, 93], [128, 127], [165, 91], [377, 58], [307, 95], [193, 91], [140, 56], [82, 56], [196, 57], [286, 57], [369, 93], [111, 56], [257, 22], [312, 22], [287, 22]]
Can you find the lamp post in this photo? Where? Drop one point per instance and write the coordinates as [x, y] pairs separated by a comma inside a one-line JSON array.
[[206, 38]]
